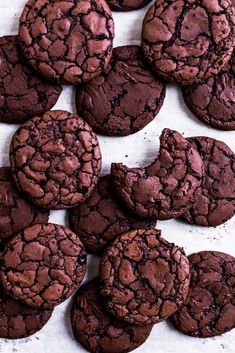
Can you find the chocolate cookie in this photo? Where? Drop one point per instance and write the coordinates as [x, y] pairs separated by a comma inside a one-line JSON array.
[[144, 279], [16, 213], [209, 309], [55, 159], [100, 219], [97, 330], [43, 265], [213, 101], [166, 188], [18, 320], [187, 41], [124, 98], [215, 200], [22, 93], [67, 41], [127, 5]]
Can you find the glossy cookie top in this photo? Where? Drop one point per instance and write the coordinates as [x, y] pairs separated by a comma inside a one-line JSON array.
[[187, 41], [124, 98], [43, 265], [67, 41], [144, 279], [55, 159]]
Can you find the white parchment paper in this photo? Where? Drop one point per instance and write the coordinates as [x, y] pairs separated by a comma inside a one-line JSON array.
[[136, 150]]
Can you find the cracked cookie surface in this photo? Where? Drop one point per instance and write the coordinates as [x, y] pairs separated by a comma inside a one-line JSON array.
[[18, 320], [209, 309], [22, 93], [166, 188], [16, 213], [215, 200], [67, 41], [127, 5], [55, 159], [213, 101], [187, 41], [43, 265], [124, 98], [99, 331], [144, 279], [101, 219]]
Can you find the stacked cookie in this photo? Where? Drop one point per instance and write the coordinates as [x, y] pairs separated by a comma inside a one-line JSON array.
[[145, 280]]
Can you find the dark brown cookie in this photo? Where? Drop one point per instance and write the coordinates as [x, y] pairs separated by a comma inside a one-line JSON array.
[[144, 279], [43, 265], [124, 98], [100, 219], [97, 330], [213, 101], [55, 159], [127, 5], [166, 188], [67, 41], [22, 93], [209, 309], [16, 213], [18, 320], [187, 41], [215, 200]]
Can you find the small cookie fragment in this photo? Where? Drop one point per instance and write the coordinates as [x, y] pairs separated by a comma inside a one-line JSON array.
[[22, 93], [187, 41], [97, 330], [215, 200], [127, 5], [55, 159], [16, 213], [144, 279], [209, 309], [43, 265], [18, 320], [124, 98], [68, 42], [213, 101], [166, 188], [100, 219]]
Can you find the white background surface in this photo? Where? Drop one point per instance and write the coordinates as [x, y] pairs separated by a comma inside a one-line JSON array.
[[138, 149]]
